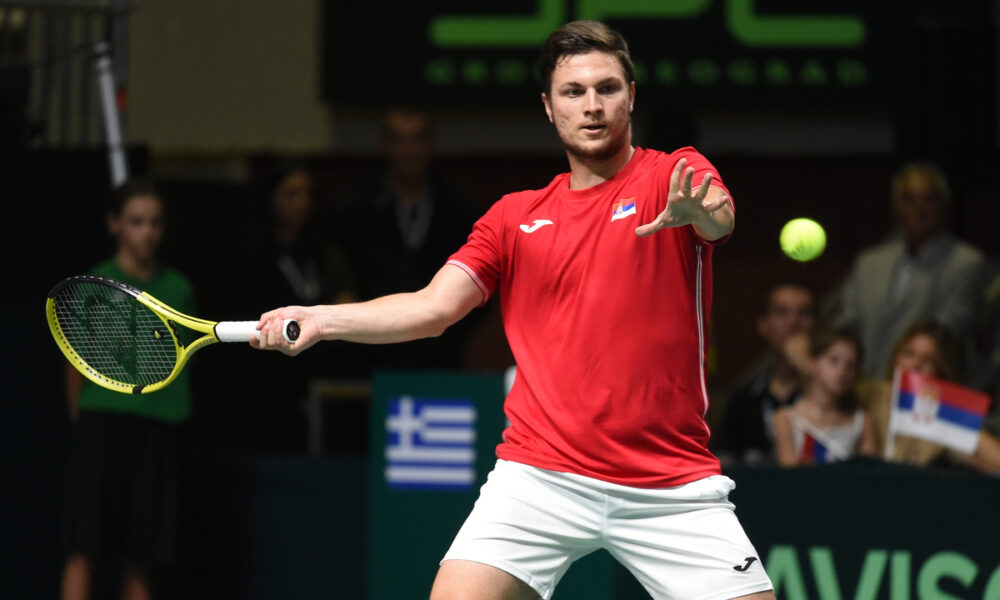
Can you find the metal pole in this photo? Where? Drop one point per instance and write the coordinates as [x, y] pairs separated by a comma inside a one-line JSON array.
[[112, 126], [87, 38], [63, 65], [119, 40], [47, 66]]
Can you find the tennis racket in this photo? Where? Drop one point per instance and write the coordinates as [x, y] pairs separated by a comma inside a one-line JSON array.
[[123, 339]]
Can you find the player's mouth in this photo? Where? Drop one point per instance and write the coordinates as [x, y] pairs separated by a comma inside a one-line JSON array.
[[594, 127]]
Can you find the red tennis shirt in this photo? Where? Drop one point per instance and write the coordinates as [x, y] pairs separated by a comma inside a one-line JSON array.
[[608, 329]]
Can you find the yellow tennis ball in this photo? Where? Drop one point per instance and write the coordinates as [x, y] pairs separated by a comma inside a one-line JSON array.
[[802, 239]]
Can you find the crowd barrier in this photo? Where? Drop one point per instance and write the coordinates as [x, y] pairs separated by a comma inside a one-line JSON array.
[[863, 529]]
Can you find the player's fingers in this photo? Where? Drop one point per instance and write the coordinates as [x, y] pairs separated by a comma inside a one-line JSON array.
[[652, 227], [705, 184], [645, 230], [675, 176], [686, 182], [265, 319], [713, 205], [271, 329], [277, 340], [260, 341], [270, 334]]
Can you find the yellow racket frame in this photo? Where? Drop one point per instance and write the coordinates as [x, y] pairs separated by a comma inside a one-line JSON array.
[[168, 315]]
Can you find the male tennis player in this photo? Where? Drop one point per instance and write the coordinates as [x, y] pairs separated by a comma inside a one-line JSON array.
[[605, 285]]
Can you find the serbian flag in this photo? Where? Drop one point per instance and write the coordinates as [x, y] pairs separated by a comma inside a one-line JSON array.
[[938, 411], [817, 446], [814, 451]]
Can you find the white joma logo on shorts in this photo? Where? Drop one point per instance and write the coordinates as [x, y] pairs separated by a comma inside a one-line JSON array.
[[538, 223]]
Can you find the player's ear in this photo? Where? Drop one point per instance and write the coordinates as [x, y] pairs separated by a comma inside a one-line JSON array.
[[631, 96], [548, 105]]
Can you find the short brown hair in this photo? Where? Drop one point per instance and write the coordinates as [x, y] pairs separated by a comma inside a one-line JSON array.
[[129, 189], [581, 37]]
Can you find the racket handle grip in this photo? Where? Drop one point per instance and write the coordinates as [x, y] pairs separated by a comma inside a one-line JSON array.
[[242, 331]]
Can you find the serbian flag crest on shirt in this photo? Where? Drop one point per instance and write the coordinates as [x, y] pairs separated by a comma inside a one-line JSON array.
[[623, 208], [938, 411]]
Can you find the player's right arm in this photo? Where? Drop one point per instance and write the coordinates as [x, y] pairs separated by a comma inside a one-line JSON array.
[[449, 296]]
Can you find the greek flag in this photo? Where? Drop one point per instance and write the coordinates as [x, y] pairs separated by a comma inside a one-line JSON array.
[[431, 443]]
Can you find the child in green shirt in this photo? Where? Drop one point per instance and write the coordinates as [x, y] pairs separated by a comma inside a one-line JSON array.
[[125, 455]]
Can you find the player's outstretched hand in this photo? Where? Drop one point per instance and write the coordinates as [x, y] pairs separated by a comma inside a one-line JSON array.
[[685, 206], [272, 337]]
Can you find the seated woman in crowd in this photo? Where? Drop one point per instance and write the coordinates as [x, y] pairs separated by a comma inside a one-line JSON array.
[[928, 348], [826, 424]]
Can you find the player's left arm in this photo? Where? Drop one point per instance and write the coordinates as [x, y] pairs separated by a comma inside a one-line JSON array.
[[707, 208]]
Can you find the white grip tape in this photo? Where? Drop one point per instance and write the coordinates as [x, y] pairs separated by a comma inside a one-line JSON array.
[[235, 331], [242, 331]]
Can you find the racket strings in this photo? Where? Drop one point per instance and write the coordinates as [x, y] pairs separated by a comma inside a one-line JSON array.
[[115, 334]]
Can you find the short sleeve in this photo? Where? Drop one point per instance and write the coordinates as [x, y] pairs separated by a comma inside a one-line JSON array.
[[481, 255]]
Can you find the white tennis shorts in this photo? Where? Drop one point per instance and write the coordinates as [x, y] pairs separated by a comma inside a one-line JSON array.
[[681, 543]]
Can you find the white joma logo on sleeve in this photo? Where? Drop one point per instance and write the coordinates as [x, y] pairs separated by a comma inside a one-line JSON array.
[[538, 223]]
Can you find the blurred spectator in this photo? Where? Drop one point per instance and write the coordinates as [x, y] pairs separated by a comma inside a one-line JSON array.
[[124, 460], [826, 424], [303, 267], [928, 348], [984, 370], [922, 271], [293, 262], [403, 229], [746, 432]]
